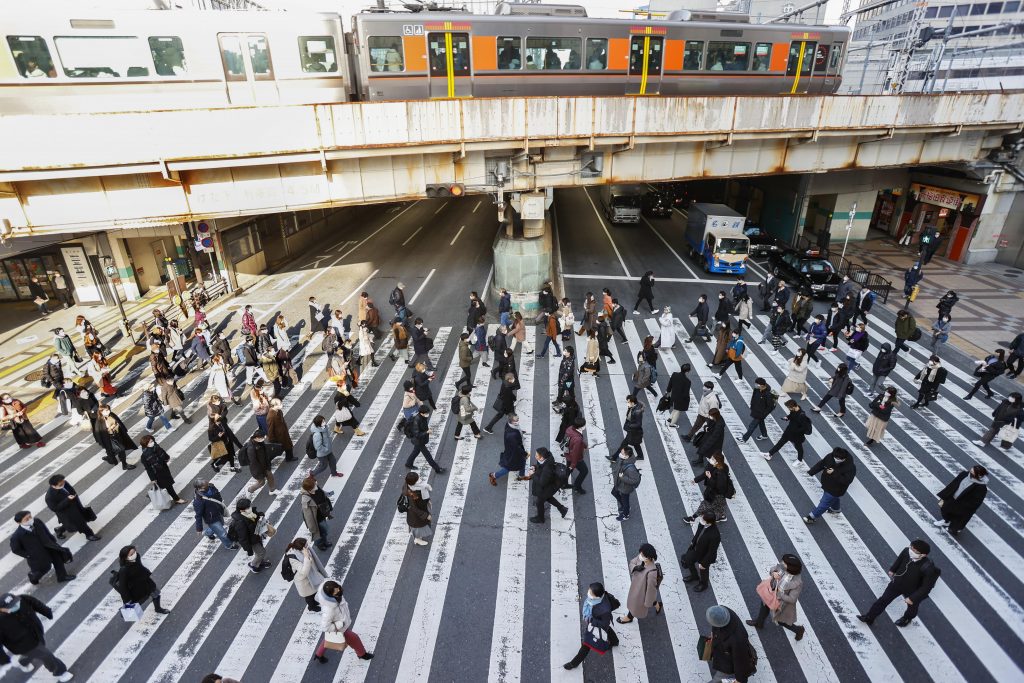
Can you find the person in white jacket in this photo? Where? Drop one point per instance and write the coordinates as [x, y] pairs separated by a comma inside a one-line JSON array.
[[336, 622], [708, 400], [309, 571], [220, 380], [668, 332]]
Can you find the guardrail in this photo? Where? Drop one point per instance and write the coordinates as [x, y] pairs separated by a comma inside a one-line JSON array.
[[859, 274]]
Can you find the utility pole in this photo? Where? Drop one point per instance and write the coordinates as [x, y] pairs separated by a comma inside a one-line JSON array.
[[896, 78], [849, 228]]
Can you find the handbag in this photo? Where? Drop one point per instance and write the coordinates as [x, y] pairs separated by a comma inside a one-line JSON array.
[[158, 498], [704, 648], [342, 414], [265, 528], [1007, 435], [89, 514], [218, 449], [767, 594], [664, 403], [132, 611], [335, 641]]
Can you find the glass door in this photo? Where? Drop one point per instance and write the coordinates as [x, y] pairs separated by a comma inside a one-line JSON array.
[[645, 57]]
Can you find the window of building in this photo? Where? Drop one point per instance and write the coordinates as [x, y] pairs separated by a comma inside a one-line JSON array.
[[956, 30], [597, 54], [31, 56], [318, 56], [1011, 6], [931, 12], [762, 55], [510, 56], [994, 8], [730, 56], [977, 9], [436, 47], [945, 10], [963, 10], [386, 53], [692, 54], [168, 55], [553, 54], [231, 55], [259, 56], [102, 56], [968, 29], [241, 243]]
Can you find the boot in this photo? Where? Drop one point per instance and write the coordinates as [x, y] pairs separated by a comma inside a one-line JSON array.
[[158, 608]]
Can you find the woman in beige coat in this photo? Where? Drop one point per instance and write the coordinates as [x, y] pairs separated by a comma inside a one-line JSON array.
[[786, 585], [518, 333], [644, 579], [796, 379], [309, 571]]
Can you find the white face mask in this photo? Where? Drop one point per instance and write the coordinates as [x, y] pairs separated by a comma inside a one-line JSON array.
[[914, 555], [713, 461], [704, 523], [132, 557], [27, 524]]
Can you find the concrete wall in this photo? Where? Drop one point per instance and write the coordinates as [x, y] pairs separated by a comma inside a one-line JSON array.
[[248, 271]]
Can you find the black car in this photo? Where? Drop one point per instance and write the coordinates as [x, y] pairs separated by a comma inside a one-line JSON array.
[[761, 243], [806, 271], [657, 205]]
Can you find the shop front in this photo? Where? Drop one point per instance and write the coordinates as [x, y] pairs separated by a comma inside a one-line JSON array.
[[952, 213]]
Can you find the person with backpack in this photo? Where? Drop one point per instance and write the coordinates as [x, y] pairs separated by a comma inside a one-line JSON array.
[[734, 354], [514, 456], [552, 330], [598, 634], [993, 366], [246, 524], [544, 484], [906, 328], [881, 410], [153, 408], [414, 503], [702, 552], [303, 568], [798, 428], [732, 657], [627, 479], [838, 471], [762, 402], [645, 577], [133, 582], [678, 392], [316, 510], [319, 446], [208, 505], [417, 430], [913, 575], [258, 454], [931, 377], [21, 634], [718, 486], [497, 344], [575, 449], [779, 594], [840, 387], [710, 439], [465, 411]]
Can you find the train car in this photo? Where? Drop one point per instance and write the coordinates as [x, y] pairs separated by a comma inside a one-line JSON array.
[[126, 60], [443, 55]]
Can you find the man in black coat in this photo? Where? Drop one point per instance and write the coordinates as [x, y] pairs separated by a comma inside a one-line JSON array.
[[39, 296], [762, 403], [33, 541], [838, 472], [633, 429], [730, 645], [604, 334], [701, 312], [259, 454], [417, 430], [208, 505], [679, 393], [544, 484], [618, 320], [711, 437], [245, 522], [780, 297], [646, 292], [73, 516], [21, 633], [702, 552], [421, 345], [505, 403], [724, 309], [913, 575], [961, 499], [796, 431]]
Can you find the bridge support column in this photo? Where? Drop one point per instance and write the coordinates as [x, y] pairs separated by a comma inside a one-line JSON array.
[[523, 253]]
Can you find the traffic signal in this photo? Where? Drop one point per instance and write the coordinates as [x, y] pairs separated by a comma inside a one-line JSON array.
[[437, 190]]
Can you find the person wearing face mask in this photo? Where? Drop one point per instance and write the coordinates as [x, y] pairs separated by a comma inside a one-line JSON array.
[[246, 523], [53, 378], [1008, 413], [732, 657], [906, 327], [881, 410], [718, 486], [835, 321], [993, 366], [259, 455], [544, 485], [33, 541], [134, 582], [208, 505], [645, 577], [798, 428], [66, 396], [633, 429], [62, 499], [110, 433], [702, 552], [627, 479], [710, 438], [708, 400], [505, 404], [885, 363], [940, 335], [66, 350], [701, 313], [817, 335], [337, 621], [154, 459], [678, 390], [913, 575], [514, 456], [931, 377], [575, 449], [857, 342], [837, 473], [13, 415], [779, 595], [21, 633], [840, 387], [597, 624], [961, 499], [762, 402]]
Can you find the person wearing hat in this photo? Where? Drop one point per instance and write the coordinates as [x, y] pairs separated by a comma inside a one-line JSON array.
[[33, 541], [209, 508], [731, 653], [73, 516], [912, 575], [786, 585], [597, 624], [245, 521], [21, 633]]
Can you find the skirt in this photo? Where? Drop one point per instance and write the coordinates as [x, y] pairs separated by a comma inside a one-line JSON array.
[[876, 428], [716, 506], [794, 387], [24, 433], [422, 533]]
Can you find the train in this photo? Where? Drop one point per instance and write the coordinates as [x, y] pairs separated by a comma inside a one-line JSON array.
[[127, 60]]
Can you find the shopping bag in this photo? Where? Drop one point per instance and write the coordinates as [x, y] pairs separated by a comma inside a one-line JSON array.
[[335, 641], [704, 648], [342, 415], [1007, 435], [132, 611], [159, 499], [218, 449], [767, 594]]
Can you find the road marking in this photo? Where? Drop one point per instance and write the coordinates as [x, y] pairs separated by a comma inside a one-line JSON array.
[[477, 205], [27, 340], [416, 295], [457, 235], [592, 276], [288, 282], [441, 207], [665, 242], [416, 232], [605, 228], [359, 289], [487, 282]]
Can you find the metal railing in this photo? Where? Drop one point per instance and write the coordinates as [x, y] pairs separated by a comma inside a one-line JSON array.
[[859, 274]]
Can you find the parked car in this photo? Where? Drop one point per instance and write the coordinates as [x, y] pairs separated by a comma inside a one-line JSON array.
[[761, 243], [806, 271], [657, 205]]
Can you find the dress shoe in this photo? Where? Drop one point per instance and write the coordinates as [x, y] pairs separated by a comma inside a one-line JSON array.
[[94, 537], [755, 623], [537, 520], [800, 632], [865, 619], [701, 587], [902, 621], [66, 578], [690, 578]]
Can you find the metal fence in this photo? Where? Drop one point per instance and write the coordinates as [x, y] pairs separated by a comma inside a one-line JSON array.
[[859, 274]]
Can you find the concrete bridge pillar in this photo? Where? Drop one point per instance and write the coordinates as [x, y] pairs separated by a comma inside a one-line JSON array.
[[523, 251]]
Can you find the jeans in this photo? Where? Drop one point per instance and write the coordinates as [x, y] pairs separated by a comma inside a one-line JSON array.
[[502, 471], [755, 423], [43, 654], [851, 362], [322, 527], [623, 501], [544, 349], [738, 364], [827, 502], [217, 529], [43, 310], [505, 318], [326, 462], [149, 421], [261, 422]]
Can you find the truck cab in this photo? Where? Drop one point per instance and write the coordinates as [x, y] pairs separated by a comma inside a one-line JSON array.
[[715, 235], [621, 203]]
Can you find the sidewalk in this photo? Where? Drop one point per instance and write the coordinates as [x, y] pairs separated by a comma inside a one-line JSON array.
[[991, 308]]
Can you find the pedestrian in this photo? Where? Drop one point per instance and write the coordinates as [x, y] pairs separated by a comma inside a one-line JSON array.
[[316, 509], [344, 411], [498, 345], [249, 321], [134, 582], [400, 335], [762, 402], [645, 577], [838, 471], [987, 370], [416, 501], [961, 499], [544, 484], [780, 297], [801, 312], [53, 378], [364, 299], [627, 479], [931, 377], [708, 400], [702, 552], [603, 336], [466, 413], [565, 385], [846, 287], [422, 343], [940, 335], [617, 320], [99, 370], [552, 330], [505, 404], [67, 401], [597, 624], [39, 296], [421, 382], [1008, 412], [336, 622], [208, 504], [110, 433], [666, 323], [840, 387], [575, 449], [834, 324], [913, 575], [34, 541], [651, 356], [881, 410], [738, 291], [476, 311], [767, 290], [734, 354], [701, 313], [316, 315], [341, 324], [65, 348], [946, 304], [718, 487], [797, 429], [247, 525], [397, 297], [152, 407], [258, 454], [307, 571], [906, 328], [60, 285], [222, 438], [513, 456], [13, 415], [72, 515], [260, 405], [724, 311], [566, 318], [865, 300], [518, 333], [220, 380], [710, 438], [884, 364], [417, 430], [857, 343], [779, 594], [322, 448], [911, 278], [365, 341], [642, 376], [744, 312], [796, 376], [732, 658], [780, 325], [546, 300], [632, 428], [849, 308], [155, 459], [589, 314], [277, 429], [410, 403], [646, 292], [21, 634], [570, 411]]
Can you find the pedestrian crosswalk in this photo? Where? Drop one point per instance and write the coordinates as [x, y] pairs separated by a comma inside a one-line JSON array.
[[496, 597]]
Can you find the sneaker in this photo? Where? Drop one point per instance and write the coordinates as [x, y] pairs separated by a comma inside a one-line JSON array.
[[27, 668], [979, 443], [797, 463], [337, 474], [273, 492], [66, 676], [808, 519], [255, 570], [834, 512], [235, 469], [485, 430], [767, 457], [638, 313], [816, 409], [941, 523], [760, 438]]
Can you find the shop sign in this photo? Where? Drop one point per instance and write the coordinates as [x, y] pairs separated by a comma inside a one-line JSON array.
[[937, 196], [82, 282]]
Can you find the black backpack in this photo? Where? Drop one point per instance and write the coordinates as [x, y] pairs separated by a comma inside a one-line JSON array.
[[456, 403], [808, 426], [492, 342], [562, 474], [243, 455], [287, 573], [310, 448], [404, 503], [324, 506], [410, 428], [115, 575], [916, 334], [730, 488]]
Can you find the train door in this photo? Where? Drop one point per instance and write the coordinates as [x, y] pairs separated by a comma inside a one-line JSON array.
[[448, 55], [248, 69], [832, 77], [801, 61], [645, 59]]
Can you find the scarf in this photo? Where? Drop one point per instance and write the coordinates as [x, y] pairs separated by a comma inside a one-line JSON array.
[[966, 483], [588, 606], [930, 373]]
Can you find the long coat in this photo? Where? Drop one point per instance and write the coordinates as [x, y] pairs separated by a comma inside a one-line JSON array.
[[679, 389], [643, 587], [70, 513], [277, 430], [38, 546], [788, 596], [134, 583], [155, 459], [419, 508], [703, 549], [105, 439], [963, 508], [22, 631], [513, 457]]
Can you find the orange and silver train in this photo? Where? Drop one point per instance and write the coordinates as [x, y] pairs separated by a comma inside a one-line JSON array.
[[160, 60]]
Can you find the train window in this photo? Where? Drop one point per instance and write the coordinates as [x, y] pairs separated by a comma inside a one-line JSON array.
[[168, 55], [460, 54], [692, 54], [31, 56], [794, 58], [231, 54], [385, 53], [102, 56], [318, 56], [727, 56], [597, 54], [553, 54], [259, 56], [762, 55], [931, 12], [835, 56], [510, 56]]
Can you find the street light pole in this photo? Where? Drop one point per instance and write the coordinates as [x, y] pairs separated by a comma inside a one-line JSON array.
[[849, 228]]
